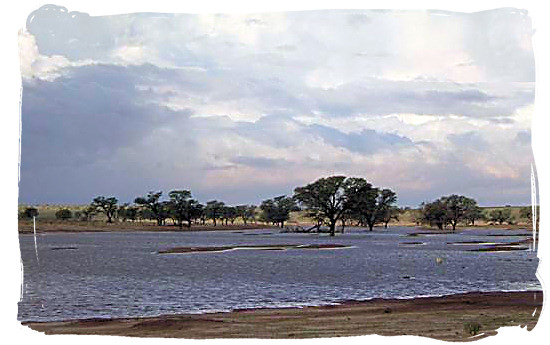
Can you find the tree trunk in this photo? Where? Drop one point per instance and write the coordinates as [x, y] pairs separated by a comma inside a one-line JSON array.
[[332, 227]]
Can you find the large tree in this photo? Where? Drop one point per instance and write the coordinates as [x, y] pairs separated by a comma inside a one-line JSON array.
[[451, 209], [458, 208], [434, 213], [107, 206], [157, 209], [329, 197], [182, 207], [277, 210], [371, 205]]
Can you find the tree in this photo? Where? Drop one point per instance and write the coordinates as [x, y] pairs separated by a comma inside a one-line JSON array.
[[501, 215], [474, 213], [435, 213], [246, 212], [152, 203], [389, 213], [386, 210], [364, 204], [88, 213], [370, 205], [107, 206], [458, 207], [29, 213], [197, 213], [451, 209], [277, 210], [214, 209], [527, 212], [126, 212], [182, 207], [328, 197], [63, 214], [229, 213]]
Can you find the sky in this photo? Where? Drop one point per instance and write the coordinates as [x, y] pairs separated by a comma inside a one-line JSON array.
[[244, 107]]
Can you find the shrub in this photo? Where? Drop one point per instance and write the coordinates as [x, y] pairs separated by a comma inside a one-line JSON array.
[[472, 328], [63, 214], [28, 213]]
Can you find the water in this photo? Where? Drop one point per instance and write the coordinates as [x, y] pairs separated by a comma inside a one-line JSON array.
[[97, 275]]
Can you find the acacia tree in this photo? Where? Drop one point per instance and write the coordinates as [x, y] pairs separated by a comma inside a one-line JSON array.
[[474, 213], [434, 213], [389, 213], [182, 207], [451, 209], [277, 210], [126, 212], [214, 210], [152, 203], [246, 212], [457, 207], [371, 205], [228, 214], [329, 197], [107, 206]]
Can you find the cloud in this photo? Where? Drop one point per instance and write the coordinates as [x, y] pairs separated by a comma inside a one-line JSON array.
[[366, 141], [244, 107]]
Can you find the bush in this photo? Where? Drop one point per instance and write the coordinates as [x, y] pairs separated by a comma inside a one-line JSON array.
[[28, 213], [63, 214], [472, 328]]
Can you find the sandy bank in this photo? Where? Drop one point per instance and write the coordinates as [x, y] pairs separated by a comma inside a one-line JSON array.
[[435, 317]]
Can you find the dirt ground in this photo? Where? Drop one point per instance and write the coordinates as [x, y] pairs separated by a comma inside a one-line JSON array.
[[444, 318]]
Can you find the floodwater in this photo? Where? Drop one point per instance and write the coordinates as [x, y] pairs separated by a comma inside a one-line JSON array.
[[104, 275]]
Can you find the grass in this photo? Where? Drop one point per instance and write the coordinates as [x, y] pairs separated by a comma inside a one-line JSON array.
[[46, 217]]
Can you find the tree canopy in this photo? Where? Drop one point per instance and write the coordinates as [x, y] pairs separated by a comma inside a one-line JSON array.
[[107, 206]]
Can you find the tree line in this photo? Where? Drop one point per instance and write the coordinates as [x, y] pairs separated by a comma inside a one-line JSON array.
[[454, 209], [327, 201]]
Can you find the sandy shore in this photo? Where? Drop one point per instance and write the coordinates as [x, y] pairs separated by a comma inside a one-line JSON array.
[[441, 318]]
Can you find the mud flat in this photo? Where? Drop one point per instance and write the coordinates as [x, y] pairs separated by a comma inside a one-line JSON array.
[[184, 250]]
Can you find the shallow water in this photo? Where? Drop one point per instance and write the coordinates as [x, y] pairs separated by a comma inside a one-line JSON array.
[[120, 274]]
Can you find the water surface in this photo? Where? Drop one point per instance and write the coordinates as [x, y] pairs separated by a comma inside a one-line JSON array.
[[85, 275]]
